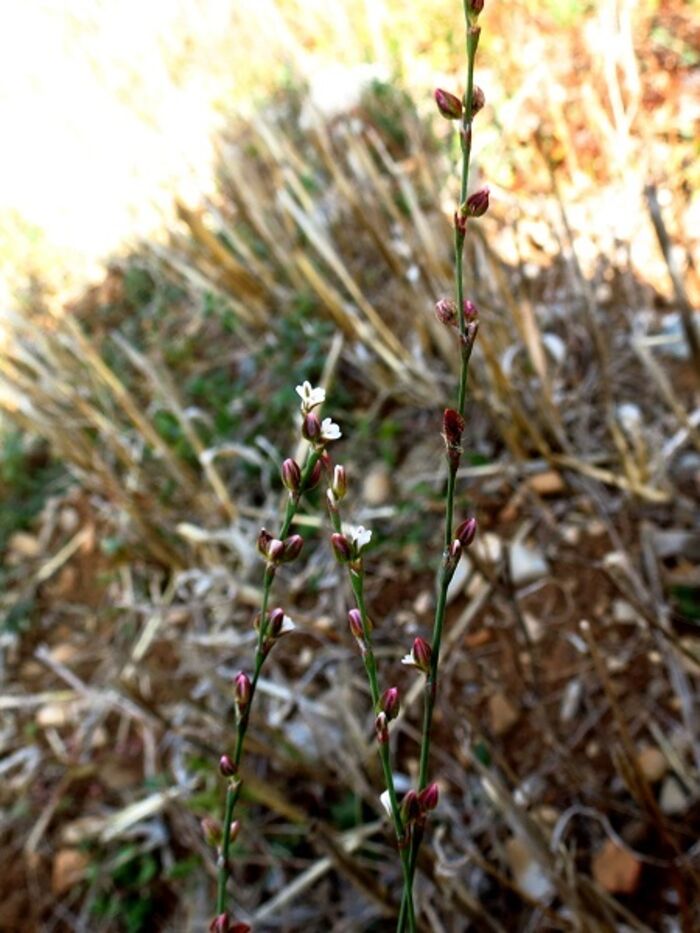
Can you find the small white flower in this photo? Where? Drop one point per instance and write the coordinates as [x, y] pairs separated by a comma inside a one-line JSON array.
[[310, 397], [361, 538], [329, 429], [409, 660], [386, 803]]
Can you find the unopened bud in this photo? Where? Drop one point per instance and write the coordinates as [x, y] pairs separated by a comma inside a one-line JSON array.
[[478, 203], [475, 6], [275, 622], [460, 220], [291, 475], [355, 622], [429, 796], [478, 100], [312, 481], [341, 548], [390, 703], [311, 427], [455, 552], [242, 692], [448, 104], [234, 830], [466, 532], [446, 312], [211, 831], [220, 924], [264, 539], [410, 808], [292, 548], [470, 311], [452, 427], [275, 551], [422, 654], [381, 728], [339, 486], [227, 766]]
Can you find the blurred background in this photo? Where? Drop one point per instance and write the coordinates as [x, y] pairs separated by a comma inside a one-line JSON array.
[[204, 203]]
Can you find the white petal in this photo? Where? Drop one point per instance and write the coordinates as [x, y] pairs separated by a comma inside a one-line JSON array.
[[361, 537], [386, 803], [287, 626], [408, 660], [329, 430]]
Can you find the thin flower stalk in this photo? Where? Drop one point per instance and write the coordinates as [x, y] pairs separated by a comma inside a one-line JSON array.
[[385, 705], [271, 625], [465, 318]]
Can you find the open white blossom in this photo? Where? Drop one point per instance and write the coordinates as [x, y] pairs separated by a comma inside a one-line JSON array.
[[310, 397], [361, 537], [386, 803], [409, 660], [329, 429], [286, 627]]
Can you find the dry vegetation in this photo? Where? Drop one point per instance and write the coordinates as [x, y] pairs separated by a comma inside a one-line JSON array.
[[154, 411]]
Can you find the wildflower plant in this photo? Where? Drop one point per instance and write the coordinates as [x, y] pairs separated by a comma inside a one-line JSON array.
[[349, 544]]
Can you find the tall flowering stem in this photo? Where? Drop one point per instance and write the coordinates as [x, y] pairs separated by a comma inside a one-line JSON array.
[[463, 316], [271, 625], [348, 551]]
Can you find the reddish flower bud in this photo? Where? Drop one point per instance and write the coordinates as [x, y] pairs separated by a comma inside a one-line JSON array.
[[211, 831], [234, 831], [422, 653], [381, 728], [291, 475], [311, 427], [452, 427], [470, 311], [275, 622], [460, 219], [410, 808], [466, 532], [478, 100], [239, 928], [312, 482], [292, 548], [275, 551], [455, 552], [475, 6], [449, 106], [341, 548], [478, 203], [227, 766], [428, 797], [389, 703], [264, 539], [219, 924], [446, 312], [355, 622], [339, 485], [242, 692]]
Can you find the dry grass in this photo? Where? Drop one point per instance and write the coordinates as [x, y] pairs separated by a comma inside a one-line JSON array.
[[132, 595]]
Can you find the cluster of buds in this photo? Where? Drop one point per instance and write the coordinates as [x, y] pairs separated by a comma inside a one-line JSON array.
[[348, 550], [420, 656], [415, 804], [452, 108], [476, 205], [276, 625], [278, 552], [463, 537], [387, 709], [223, 924], [314, 430]]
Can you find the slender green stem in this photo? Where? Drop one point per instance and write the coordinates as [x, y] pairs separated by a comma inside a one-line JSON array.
[[446, 571], [234, 788]]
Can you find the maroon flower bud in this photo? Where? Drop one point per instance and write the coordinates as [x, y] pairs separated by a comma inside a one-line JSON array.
[[242, 692], [455, 552], [275, 622], [478, 100], [227, 766], [428, 797], [312, 481], [275, 551], [389, 703], [239, 928], [341, 548], [470, 311], [410, 808], [211, 831], [475, 6], [422, 653], [234, 830], [460, 219], [446, 312], [355, 622], [449, 106], [381, 727], [264, 539], [478, 203], [311, 427], [291, 475], [292, 548], [219, 924], [452, 427], [339, 485], [466, 531]]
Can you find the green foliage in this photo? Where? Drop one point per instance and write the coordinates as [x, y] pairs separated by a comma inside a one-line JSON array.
[[128, 897]]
